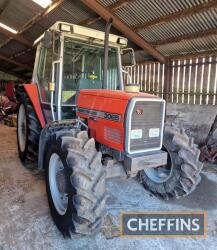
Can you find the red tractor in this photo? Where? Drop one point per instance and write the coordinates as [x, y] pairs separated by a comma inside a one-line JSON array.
[[77, 121]]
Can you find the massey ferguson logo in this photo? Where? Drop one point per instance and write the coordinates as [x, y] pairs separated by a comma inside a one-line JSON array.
[[139, 111]]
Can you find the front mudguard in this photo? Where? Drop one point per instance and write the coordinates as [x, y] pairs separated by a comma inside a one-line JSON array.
[[48, 132]]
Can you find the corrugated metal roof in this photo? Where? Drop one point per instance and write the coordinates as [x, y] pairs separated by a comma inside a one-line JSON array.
[[140, 11], [18, 13], [67, 12], [12, 48], [33, 33], [28, 58], [187, 47], [186, 25], [5, 65], [106, 3]]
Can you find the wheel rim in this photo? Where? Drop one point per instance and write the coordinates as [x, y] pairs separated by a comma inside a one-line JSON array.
[[22, 128], [162, 173], [57, 184]]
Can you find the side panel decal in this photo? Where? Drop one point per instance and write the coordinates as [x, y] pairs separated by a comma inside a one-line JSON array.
[[101, 114]]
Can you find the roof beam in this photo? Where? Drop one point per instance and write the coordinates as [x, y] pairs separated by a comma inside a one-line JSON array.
[[42, 15], [112, 7], [18, 37], [186, 37], [176, 15], [122, 27], [10, 72], [11, 61], [21, 53], [90, 20]]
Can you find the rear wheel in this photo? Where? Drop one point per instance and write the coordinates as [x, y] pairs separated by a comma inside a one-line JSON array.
[[75, 182], [22, 128], [181, 175], [28, 130]]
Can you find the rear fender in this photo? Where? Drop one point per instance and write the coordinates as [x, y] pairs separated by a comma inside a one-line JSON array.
[[32, 92]]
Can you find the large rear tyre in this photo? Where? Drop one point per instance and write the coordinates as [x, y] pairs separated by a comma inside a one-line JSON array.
[[75, 182], [28, 131], [181, 175]]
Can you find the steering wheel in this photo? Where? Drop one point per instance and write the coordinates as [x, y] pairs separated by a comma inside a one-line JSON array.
[[79, 73]]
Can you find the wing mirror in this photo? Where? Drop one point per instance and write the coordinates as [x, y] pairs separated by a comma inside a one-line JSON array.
[[47, 40], [128, 57]]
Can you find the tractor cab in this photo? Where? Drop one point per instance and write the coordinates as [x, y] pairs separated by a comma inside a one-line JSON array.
[[78, 74], [70, 58]]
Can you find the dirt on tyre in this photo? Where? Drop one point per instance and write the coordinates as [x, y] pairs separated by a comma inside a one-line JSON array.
[[181, 175], [28, 130], [75, 182]]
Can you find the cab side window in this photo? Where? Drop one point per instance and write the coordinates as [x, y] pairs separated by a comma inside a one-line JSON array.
[[44, 73]]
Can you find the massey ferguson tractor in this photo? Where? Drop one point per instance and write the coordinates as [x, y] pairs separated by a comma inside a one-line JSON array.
[[79, 124]]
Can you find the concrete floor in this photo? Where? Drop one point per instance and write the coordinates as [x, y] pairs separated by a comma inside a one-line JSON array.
[[25, 222]]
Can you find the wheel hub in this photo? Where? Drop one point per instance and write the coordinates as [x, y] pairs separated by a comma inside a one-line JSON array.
[[162, 173], [58, 184], [61, 181], [23, 128]]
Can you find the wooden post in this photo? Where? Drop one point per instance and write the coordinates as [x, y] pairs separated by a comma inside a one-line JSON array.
[[167, 84]]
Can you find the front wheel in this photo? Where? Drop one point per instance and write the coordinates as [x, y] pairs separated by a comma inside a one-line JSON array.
[[75, 182], [181, 175]]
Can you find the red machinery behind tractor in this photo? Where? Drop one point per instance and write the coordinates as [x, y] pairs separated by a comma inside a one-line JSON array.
[[209, 150], [77, 121], [8, 103]]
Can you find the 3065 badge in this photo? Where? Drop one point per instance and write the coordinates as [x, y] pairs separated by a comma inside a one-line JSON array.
[[113, 117]]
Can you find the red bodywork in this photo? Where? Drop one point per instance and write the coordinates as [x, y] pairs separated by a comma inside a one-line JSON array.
[[32, 92], [106, 131]]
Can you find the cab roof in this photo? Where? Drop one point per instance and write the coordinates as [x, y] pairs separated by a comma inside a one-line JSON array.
[[84, 32]]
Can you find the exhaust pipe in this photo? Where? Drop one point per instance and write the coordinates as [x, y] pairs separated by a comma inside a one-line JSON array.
[[106, 47]]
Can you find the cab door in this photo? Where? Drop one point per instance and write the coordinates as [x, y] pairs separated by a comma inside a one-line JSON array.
[[46, 71]]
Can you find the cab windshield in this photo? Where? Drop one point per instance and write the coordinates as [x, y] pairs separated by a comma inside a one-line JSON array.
[[83, 69]]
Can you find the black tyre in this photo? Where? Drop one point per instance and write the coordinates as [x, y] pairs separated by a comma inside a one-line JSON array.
[[181, 175], [28, 130], [75, 182]]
